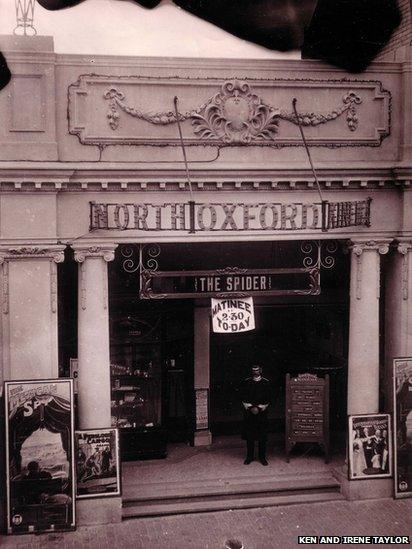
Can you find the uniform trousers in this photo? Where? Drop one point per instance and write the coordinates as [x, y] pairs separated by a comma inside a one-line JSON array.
[[250, 446]]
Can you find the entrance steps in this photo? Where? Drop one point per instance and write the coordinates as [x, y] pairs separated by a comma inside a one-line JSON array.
[[202, 496]]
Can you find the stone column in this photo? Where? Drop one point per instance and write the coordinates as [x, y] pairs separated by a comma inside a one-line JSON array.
[[203, 435], [94, 390], [93, 335], [398, 311], [28, 299], [363, 367]]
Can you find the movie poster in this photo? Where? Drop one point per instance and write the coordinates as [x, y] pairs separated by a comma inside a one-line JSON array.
[[402, 413], [97, 463], [370, 447], [39, 455]]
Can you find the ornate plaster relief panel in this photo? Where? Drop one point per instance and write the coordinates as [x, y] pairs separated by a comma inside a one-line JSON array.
[[132, 110]]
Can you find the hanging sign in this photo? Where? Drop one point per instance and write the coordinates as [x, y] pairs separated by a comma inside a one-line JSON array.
[[231, 316], [229, 282]]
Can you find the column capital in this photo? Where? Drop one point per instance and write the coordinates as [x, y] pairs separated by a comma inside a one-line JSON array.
[[403, 246], [359, 246], [53, 253], [104, 251]]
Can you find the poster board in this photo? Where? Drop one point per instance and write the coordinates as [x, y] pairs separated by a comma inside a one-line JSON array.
[[202, 409], [402, 417], [39, 455], [370, 446], [97, 463], [307, 412]]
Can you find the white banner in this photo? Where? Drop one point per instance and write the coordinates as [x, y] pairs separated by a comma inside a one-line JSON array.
[[234, 315]]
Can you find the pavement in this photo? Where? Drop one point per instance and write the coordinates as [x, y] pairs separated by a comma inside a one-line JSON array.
[[265, 528]]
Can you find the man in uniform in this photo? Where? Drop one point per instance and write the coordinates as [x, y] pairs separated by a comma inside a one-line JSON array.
[[255, 396]]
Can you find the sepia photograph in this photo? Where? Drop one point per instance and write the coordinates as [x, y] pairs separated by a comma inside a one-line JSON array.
[[206, 255]]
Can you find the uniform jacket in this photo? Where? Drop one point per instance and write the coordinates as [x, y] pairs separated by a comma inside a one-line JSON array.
[[255, 392]]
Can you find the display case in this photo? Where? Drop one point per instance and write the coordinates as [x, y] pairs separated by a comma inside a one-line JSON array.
[[136, 386], [136, 396]]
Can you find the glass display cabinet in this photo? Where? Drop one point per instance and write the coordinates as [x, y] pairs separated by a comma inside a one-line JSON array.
[[136, 386]]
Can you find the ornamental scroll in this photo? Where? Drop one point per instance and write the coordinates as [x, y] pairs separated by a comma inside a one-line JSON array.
[[109, 110], [234, 116]]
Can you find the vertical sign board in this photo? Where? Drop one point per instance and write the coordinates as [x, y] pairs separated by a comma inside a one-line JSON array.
[[39, 455], [402, 413], [307, 411]]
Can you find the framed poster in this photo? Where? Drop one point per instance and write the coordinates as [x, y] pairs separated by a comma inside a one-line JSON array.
[[370, 446], [402, 414], [97, 463], [39, 455]]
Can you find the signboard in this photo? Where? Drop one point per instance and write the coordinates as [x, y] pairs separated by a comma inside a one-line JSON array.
[[370, 447], [39, 455], [402, 413], [212, 217], [337, 215], [230, 316], [202, 409], [229, 282], [307, 411], [97, 463]]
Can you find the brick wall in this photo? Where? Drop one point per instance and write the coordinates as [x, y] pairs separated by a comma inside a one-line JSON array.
[[402, 35]]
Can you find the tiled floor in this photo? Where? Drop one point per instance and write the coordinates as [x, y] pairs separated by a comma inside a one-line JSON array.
[[224, 460]]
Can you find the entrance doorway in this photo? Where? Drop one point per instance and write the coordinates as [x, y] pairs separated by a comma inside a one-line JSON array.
[[289, 338]]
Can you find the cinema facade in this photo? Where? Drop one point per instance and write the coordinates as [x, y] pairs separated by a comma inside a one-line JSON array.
[[110, 253]]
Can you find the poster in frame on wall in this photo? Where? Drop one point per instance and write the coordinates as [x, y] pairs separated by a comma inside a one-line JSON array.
[[370, 446], [97, 463], [40, 455], [402, 414]]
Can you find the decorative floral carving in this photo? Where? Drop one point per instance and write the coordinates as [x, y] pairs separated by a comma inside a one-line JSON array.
[[56, 254], [233, 116], [350, 99], [28, 251], [236, 115], [116, 100], [231, 270]]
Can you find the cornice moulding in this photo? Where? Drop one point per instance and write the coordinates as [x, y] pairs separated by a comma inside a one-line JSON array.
[[29, 251], [165, 63]]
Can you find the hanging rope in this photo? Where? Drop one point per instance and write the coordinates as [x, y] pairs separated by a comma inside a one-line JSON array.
[[294, 101], [191, 201], [176, 100]]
